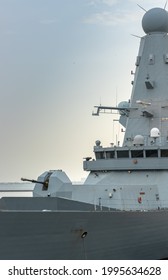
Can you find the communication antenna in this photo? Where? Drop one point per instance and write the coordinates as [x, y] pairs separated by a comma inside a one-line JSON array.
[[165, 5], [142, 7]]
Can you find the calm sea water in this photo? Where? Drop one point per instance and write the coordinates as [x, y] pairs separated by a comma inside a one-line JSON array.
[[16, 189]]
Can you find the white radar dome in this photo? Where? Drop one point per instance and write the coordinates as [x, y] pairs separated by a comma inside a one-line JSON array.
[[138, 140], [155, 20], [155, 133]]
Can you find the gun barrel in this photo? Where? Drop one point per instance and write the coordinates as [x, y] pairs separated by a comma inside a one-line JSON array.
[[32, 181]]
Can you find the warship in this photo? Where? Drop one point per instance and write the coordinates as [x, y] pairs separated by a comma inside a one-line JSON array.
[[121, 210]]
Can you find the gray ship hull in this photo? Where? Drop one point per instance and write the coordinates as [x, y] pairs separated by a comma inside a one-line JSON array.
[[83, 235]]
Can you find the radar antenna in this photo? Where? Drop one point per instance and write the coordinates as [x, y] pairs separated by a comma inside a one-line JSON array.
[[165, 5], [141, 8]]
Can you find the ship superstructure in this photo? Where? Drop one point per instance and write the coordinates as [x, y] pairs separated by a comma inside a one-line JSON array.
[[139, 167]]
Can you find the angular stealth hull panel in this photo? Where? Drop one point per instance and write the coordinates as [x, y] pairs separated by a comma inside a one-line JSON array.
[[83, 235]]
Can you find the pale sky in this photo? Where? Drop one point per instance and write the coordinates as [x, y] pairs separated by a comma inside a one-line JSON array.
[[59, 58]]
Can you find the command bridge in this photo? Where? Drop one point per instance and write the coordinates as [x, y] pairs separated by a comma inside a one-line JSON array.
[[128, 158]]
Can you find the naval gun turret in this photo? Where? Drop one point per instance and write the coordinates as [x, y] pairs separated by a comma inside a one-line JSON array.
[[51, 183]]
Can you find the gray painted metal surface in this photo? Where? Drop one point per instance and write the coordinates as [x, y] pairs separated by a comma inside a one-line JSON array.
[[58, 235]]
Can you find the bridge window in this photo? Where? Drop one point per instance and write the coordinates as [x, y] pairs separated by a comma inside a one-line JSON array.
[[151, 153], [164, 153], [137, 153], [99, 155], [122, 154], [110, 154]]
